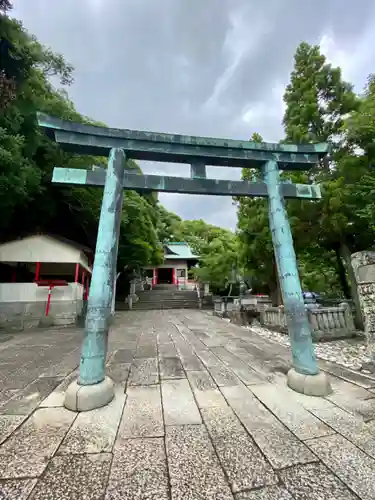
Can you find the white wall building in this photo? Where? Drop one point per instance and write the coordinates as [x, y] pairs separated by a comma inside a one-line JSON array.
[[42, 276]]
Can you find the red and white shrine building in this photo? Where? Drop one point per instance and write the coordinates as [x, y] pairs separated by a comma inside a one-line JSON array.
[[43, 276], [179, 259]]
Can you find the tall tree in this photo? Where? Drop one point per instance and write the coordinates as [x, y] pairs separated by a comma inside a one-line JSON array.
[[317, 99], [317, 103], [5, 5], [29, 202], [360, 128], [255, 242]]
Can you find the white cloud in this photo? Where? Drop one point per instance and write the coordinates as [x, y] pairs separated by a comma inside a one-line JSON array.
[[355, 60], [238, 44]]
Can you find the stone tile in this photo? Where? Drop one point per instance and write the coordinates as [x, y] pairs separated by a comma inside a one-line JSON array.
[[209, 341], [249, 359], [26, 400], [8, 424], [95, 431], [314, 482], [208, 358], [118, 372], [358, 432], [349, 463], [242, 461], [348, 375], [205, 390], [144, 371], [194, 470], [363, 409], [56, 397], [143, 415], [171, 368], [343, 389], [6, 395], [178, 403], [26, 452], [123, 356], [65, 367], [191, 362], [279, 445], [223, 376], [308, 402], [243, 371], [167, 350], [292, 414], [352, 398], [146, 351], [270, 493], [74, 477], [139, 471], [163, 337], [16, 489]]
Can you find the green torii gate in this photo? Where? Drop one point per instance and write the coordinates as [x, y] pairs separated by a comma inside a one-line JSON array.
[[93, 389]]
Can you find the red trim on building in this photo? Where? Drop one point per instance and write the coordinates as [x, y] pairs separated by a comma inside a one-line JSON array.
[[76, 276], [51, 285], [37, 271]]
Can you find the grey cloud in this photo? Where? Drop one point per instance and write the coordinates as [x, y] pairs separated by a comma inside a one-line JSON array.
[[188, 66]]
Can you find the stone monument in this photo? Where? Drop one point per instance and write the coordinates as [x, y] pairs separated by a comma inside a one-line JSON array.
[[364, 269]]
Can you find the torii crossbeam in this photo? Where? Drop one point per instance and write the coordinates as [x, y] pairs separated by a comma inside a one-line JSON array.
[[93, 388]]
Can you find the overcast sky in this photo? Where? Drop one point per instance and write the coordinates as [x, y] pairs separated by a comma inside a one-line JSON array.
[[202, 67]]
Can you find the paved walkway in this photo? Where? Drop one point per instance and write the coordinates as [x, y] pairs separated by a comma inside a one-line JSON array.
[[201, 411]]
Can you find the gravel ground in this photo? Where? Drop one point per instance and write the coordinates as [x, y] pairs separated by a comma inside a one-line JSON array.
[[349, 353]]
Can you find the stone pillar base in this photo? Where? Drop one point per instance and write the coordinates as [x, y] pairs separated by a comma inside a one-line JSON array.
[[310, 385], [88, 397]]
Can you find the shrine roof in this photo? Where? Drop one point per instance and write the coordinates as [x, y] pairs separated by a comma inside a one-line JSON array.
[[178, 250]]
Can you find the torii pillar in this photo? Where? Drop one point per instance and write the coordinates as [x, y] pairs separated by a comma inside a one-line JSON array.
[[93, 389], [305, 376]]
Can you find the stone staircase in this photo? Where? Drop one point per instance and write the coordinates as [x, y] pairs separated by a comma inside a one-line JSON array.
[[166, 297]]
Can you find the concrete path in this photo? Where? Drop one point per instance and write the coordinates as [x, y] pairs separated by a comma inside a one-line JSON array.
[[201, 411]]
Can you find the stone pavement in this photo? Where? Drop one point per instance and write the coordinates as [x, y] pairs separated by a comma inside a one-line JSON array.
[[201, 411]]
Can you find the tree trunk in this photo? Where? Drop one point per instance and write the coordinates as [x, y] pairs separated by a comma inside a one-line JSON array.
[[342, 273], [346, 255]]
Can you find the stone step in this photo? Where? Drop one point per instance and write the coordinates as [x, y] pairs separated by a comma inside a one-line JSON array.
[[165, 294], [168, 302], [163, 299], [156, 307]]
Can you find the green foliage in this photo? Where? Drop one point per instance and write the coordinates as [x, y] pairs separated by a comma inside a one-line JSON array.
[[29, 202], [217, 247], [316, 99], [255, 243], [219, 257], [318, 104], [5, 5]]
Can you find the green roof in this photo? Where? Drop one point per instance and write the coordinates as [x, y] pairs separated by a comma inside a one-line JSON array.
[[178, 250]]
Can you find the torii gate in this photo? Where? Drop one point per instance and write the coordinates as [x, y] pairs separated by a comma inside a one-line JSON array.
[[93, 389]]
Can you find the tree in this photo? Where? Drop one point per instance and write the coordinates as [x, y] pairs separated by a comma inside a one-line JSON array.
[[317, 99], [317, 104], [5, 6], [29, 202], [360, 134], [219, 255], [255, 242]]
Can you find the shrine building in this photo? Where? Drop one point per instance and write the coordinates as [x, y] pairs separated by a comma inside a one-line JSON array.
[[44, 279], [179, 259]]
